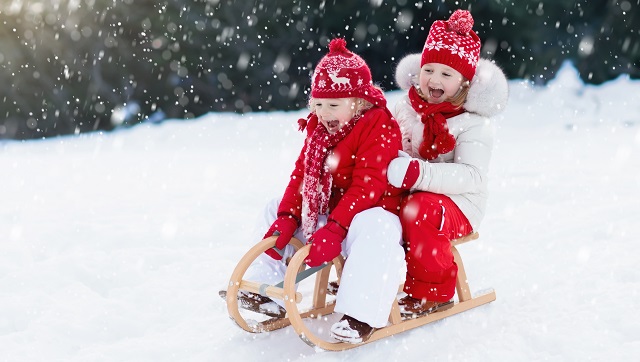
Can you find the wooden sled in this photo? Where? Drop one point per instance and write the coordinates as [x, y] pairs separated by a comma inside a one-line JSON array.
[[296, 315]]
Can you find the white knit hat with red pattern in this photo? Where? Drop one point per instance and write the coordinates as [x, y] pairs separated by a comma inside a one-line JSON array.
[[453, 43], [343, 74]]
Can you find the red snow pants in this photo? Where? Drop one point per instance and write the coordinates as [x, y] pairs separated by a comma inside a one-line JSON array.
[[429, 222]]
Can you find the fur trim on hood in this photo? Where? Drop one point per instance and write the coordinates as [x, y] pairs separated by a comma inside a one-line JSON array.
[[489, 89]]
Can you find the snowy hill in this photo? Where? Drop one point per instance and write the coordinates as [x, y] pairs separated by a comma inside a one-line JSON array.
[[114, 245]]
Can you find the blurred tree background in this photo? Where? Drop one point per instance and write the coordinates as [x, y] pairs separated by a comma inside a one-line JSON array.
[[72, 66]]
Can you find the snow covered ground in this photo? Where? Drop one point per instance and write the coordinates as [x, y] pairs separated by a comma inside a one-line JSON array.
[[113, 246]]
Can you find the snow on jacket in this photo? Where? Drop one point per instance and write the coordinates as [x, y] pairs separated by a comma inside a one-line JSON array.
[[358, 165], [462, 173]]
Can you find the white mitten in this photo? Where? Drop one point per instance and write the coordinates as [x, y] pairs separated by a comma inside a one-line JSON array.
[[404, 172]]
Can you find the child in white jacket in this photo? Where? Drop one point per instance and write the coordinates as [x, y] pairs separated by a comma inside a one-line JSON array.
[[448, 138]]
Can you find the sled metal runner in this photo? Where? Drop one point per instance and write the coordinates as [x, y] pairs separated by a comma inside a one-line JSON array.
[[319, 306]]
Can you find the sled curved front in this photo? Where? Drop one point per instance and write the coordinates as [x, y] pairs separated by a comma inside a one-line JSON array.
[[237, 283]]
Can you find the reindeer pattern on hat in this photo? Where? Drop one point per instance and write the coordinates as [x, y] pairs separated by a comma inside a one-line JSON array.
[[339, 82], [332, 67]]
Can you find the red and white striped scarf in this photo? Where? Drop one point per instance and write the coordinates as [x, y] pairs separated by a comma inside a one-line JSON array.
[[316, 186]]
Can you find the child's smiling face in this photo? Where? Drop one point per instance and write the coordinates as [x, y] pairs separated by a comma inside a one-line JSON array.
[[334, 113], [439, 83]]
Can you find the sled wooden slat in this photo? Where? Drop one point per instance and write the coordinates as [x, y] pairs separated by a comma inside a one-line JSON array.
[[462, 286], [322, 281], [394, 316]]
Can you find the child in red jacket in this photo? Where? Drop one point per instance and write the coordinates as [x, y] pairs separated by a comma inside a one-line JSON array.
[[338, 198]]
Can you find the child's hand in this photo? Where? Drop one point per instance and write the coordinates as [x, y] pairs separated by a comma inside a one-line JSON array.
[[404, 172], [284, 226], [326, 244]]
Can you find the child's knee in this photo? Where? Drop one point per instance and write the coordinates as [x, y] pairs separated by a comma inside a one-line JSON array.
[[377, 221]]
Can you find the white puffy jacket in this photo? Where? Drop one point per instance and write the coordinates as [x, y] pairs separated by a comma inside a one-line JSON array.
[[462, 173]]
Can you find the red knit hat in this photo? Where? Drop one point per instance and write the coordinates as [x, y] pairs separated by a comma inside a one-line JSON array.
[[453, 43], [343, 74]]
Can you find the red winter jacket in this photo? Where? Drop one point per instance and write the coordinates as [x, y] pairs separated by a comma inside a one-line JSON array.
[[358, 165]]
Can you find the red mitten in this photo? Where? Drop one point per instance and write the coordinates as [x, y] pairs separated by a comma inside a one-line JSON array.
[[404, 172], [284, 226], [326, 243]]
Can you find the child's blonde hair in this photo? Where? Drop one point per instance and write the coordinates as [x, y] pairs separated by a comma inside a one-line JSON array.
[[361, 105], [459, 98]]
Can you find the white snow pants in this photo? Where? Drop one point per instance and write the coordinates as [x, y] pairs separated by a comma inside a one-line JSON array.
[[373, 270]]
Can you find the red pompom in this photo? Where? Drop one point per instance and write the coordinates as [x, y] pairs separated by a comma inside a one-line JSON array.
[[444, 143], [338, 45], [461, 22], [427, 151]]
